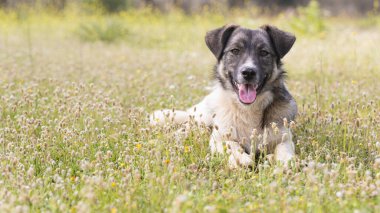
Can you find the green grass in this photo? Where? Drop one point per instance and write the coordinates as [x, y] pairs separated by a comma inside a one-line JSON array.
[[74, 134], [109, 31]]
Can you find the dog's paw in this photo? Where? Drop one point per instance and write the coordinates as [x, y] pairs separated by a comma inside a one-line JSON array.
[[159, 117], [284, 157], [237, 155], [236, 161], [284, 152]]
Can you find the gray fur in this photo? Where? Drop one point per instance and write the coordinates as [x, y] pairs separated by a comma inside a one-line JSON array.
[[270, 76]]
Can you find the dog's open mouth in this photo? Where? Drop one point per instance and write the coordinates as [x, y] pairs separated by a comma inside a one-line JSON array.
[[246, 93]]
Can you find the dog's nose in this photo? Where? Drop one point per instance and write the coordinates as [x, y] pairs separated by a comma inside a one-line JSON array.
[[248, 73]]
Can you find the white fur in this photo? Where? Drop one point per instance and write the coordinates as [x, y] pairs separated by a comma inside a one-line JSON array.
[[232, 124]]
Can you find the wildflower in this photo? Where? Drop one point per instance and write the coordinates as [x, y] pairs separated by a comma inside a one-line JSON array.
[[377, 163], [113, 184], [187, 149], [209, 208], [214, 185], [30, 171], [292, 124], [339, 194], [113, 210], [286, 125], [138, 146], [273, 125], [73, 210]]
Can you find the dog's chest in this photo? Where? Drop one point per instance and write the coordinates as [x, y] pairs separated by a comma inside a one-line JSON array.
[[237, 122]]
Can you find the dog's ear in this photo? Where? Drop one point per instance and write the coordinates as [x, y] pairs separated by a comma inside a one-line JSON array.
[[282, 41], [217, 39]]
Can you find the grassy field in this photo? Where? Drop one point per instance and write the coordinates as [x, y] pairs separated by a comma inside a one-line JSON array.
[[76, 91]]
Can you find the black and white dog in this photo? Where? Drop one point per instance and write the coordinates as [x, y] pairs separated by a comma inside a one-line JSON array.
[[249, 94]]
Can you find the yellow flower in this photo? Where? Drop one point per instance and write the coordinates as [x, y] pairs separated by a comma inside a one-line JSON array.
[[113, 210], [138, 146], [354, 82], [72, 178], [167, 161], [73, 210], [113, 184], [187, 149]]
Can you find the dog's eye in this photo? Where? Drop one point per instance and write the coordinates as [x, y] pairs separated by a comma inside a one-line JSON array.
[[235, 51], [263, 53]]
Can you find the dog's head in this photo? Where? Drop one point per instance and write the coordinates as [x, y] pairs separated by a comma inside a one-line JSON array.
[[247, 58]]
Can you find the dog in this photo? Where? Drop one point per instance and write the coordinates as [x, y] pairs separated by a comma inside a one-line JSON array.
[[249, 97]]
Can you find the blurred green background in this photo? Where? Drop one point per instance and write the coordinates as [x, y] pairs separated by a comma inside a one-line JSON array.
[[193, 6]]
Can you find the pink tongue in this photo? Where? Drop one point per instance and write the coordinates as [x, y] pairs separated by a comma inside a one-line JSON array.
[[247, 93]]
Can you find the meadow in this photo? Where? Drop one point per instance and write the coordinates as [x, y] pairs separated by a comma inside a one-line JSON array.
[[76, 91]]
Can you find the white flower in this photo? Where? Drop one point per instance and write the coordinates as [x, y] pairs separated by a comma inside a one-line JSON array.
[[339, 194]]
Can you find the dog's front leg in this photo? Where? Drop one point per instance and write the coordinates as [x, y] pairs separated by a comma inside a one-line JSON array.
[[285, 151], [238, 157], [216, 142]]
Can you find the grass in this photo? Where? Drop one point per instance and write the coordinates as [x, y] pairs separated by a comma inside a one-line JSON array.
[[109, 31], [74, 134]]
